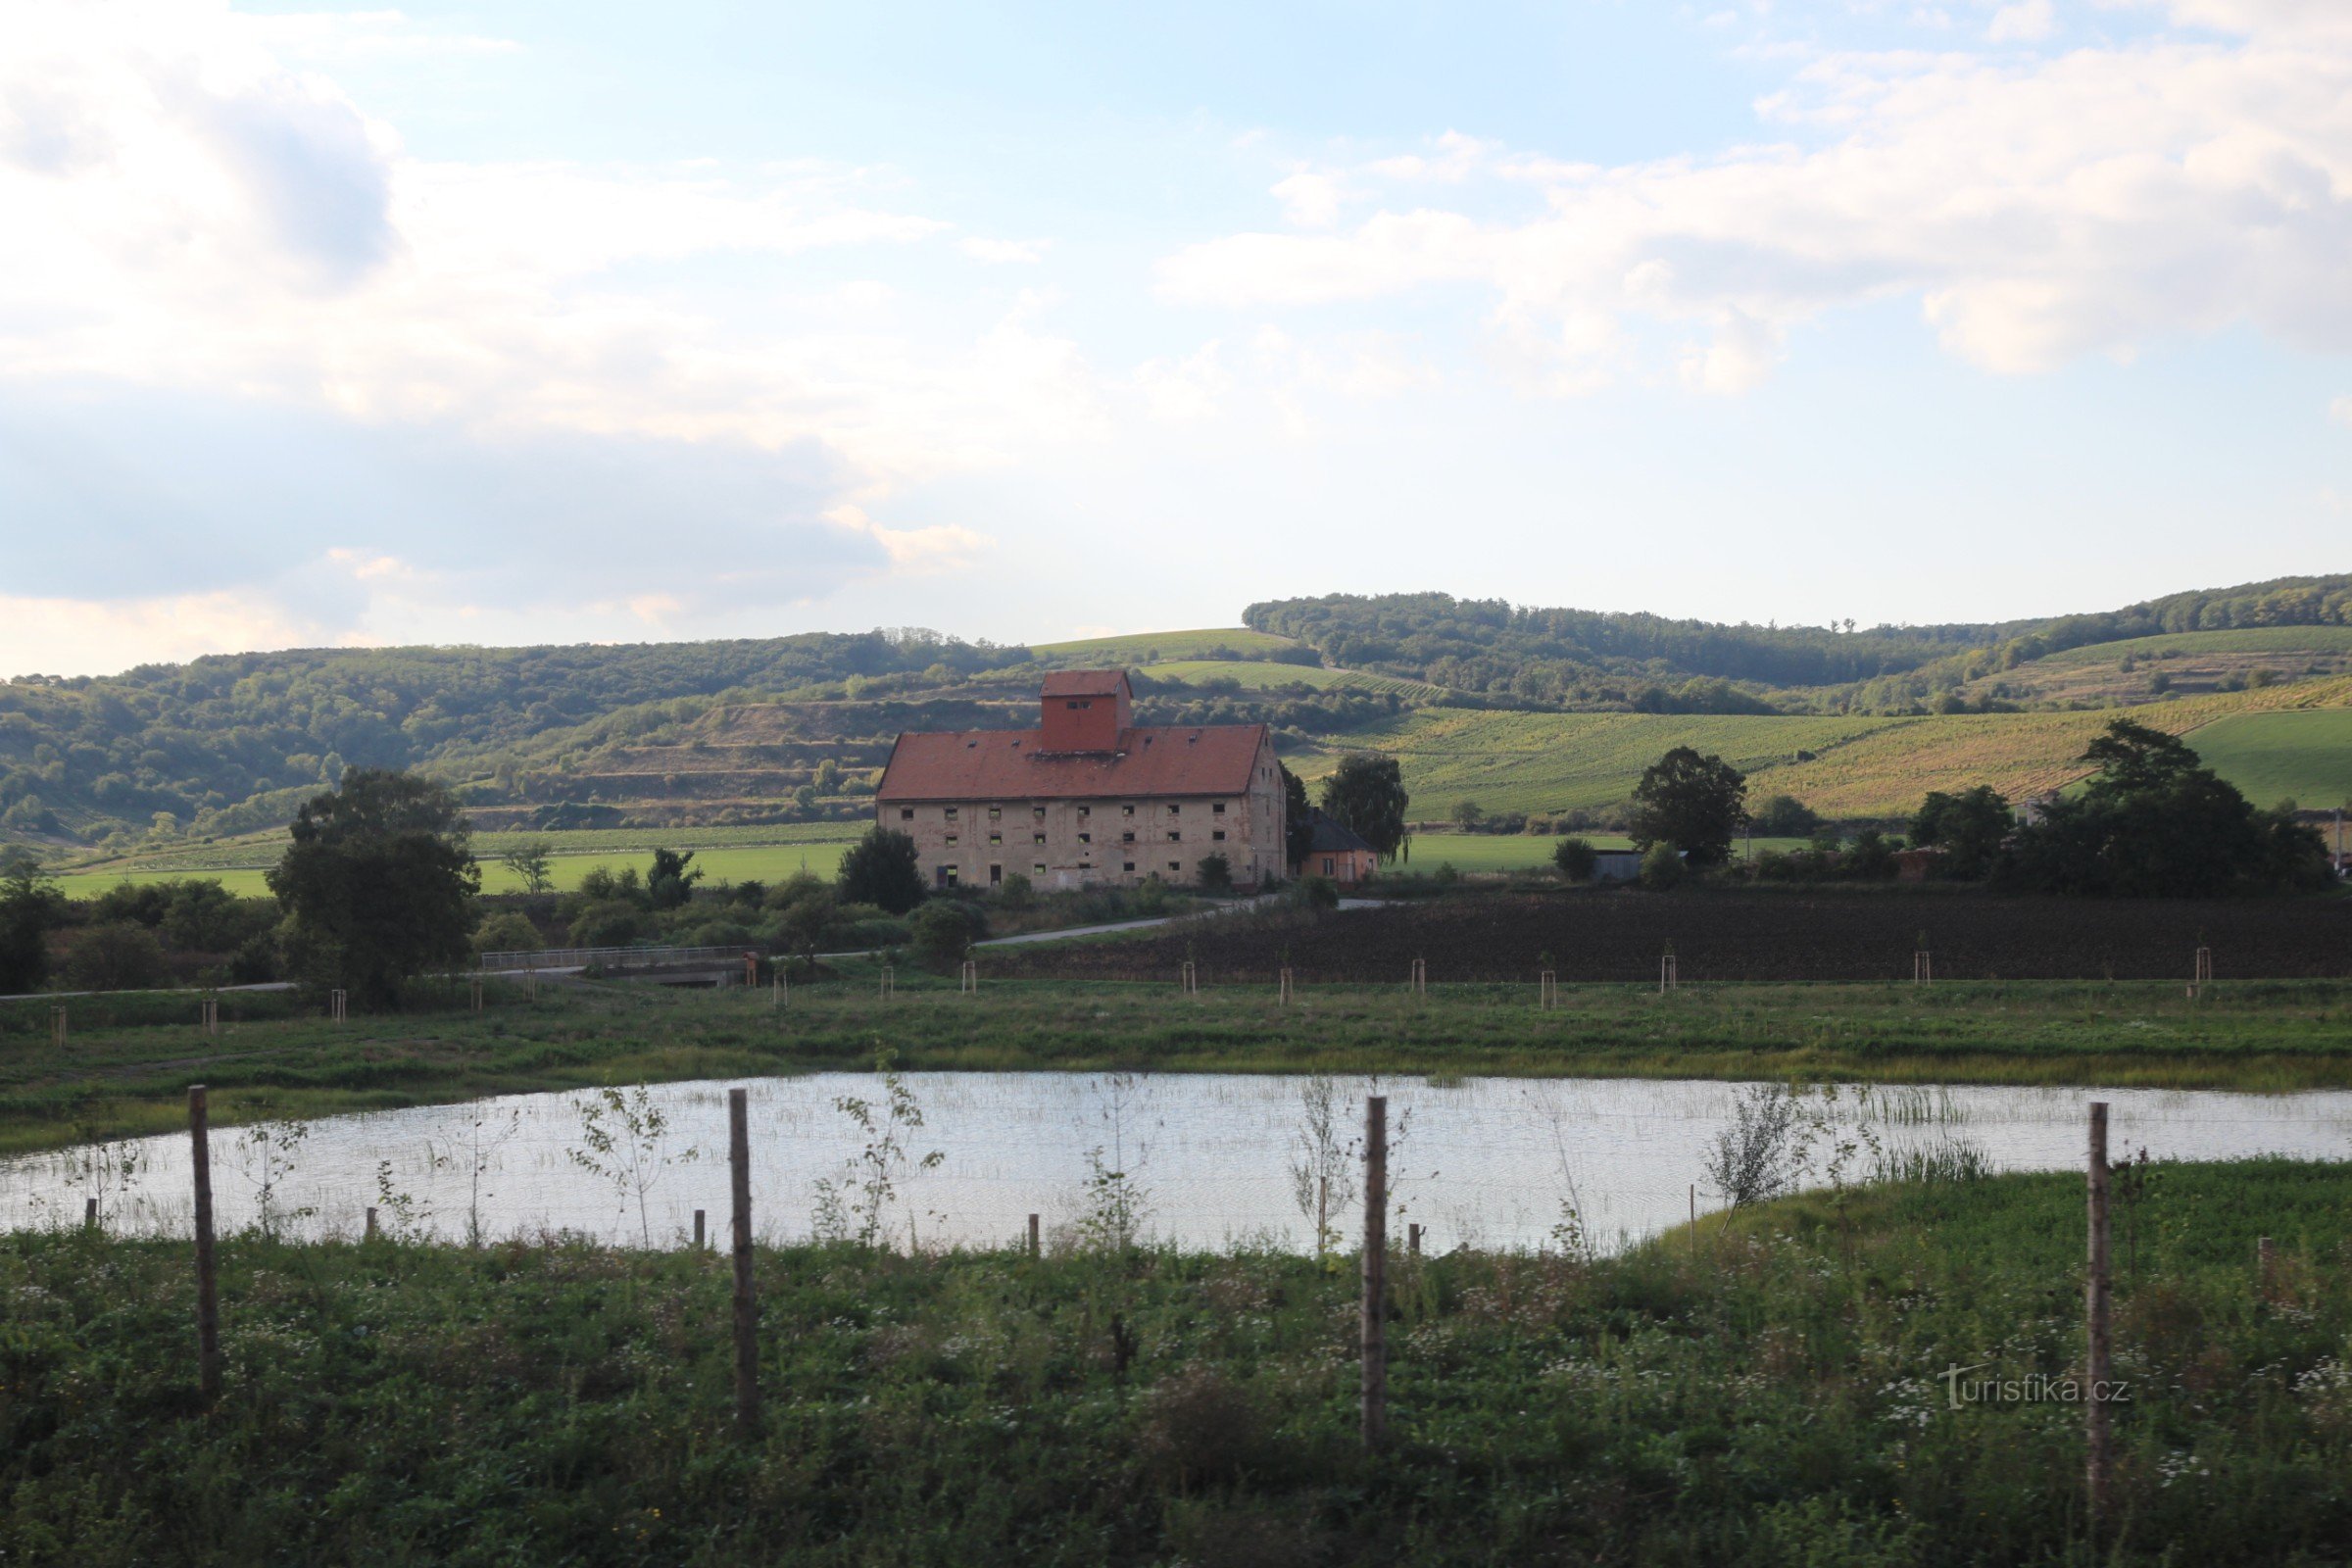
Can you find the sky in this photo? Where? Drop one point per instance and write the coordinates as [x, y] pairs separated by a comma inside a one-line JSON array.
[[577, 321]]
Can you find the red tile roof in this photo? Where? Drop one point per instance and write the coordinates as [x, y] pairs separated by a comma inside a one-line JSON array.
[[1083, 683], [1004, 764]]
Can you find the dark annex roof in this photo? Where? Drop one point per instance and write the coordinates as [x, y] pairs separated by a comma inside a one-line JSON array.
[[1006, 764], [1332, 837]]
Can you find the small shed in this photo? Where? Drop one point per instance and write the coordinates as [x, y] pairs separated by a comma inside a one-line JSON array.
[[1616, 866], [1338, 852]]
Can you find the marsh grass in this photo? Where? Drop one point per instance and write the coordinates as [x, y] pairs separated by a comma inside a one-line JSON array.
[[1764, 1390], [125, 1072]]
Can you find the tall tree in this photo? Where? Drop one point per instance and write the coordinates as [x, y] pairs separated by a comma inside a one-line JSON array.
[[882, 869], [1969, 827], [670, 884], [2154, 822], [29, 904], [378, 885], [1297, 819], [1366, 795], [529, 863], [1692, 801]]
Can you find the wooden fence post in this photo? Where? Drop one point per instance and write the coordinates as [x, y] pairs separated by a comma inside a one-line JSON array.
[[699, 1231], [1035, 1253], [1289, 993], [474, 992], [371, 1223], [1375, 1320], [1419, 984], [747, 1305], [89, 1215], [1412, 1237], [969, 981], [1922, 967], [751, 970], [208, 1283], [2098, 1461], [1547, 988], [57, 1027], [338, 1004], [1668, 979], [889, 981]]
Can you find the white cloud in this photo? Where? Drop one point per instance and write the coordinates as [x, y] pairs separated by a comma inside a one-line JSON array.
[[1309, 200], [1003, 252], [2340, 411], [2038, 210], [2028, 21]]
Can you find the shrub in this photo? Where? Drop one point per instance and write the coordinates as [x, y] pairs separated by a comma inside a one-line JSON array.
[[1784, 816], [510, 933], [119, 956], [1016, 893], [1575, 859], [881, 868], [610, 924], [1315, 893], [941, 932], [1150, 897], [1661, 867], [1216, 873]]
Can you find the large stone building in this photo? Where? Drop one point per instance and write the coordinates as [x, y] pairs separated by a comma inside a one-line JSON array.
[[1086, 797]]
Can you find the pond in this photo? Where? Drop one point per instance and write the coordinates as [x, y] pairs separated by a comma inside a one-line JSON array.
[[1213, 1159]]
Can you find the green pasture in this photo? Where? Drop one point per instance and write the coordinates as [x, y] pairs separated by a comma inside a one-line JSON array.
[[1527, 852], [759, 862], [2303, 755], [1151, 646]]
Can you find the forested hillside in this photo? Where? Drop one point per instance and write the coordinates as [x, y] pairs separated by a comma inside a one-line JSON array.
[[1578, 658]]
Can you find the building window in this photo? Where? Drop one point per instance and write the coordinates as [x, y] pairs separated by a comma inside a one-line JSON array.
[[1086, 810], [1086, 838], [1036, 838], [1175, 837], [996, 838], [1218, 809], [1038, 813], [1175, 809], [996, 876], [1176, 867], [1130, 866], [950, 813], [951, 838], [1124, 810], [1218, 835], [1327, 865], [905, 813], [995, 811], [946, 876], [1039, 868], [1127, 837], [1086, 865]]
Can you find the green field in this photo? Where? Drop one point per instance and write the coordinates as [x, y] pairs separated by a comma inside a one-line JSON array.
[[1150, 647], [765, 863], [1253, 676], [2305, 756], [1526, 852], [1863, 765]]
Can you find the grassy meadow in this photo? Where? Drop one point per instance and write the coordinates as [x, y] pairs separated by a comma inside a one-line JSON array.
[[1768, 1390], [1862, 766], [129, 1058], [1261, 677], [2305, 756], [1151, 646]]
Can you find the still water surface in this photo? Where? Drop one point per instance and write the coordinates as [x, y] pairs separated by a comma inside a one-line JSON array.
[[1481, 1163]]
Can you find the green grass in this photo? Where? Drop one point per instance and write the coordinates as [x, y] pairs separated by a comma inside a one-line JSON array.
[[1766, 1392], [130, 1059], [765, 863], [1526, 852], [1150, 647], [2305, 756], [1262, 678]]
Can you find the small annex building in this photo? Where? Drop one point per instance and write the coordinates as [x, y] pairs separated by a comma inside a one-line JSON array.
[[1088, 797], [1338, 852]]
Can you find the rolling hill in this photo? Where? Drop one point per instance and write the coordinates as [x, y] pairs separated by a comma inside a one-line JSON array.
[[1521, 709]]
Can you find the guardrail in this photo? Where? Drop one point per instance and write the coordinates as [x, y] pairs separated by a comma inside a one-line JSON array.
[[608, 957]]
